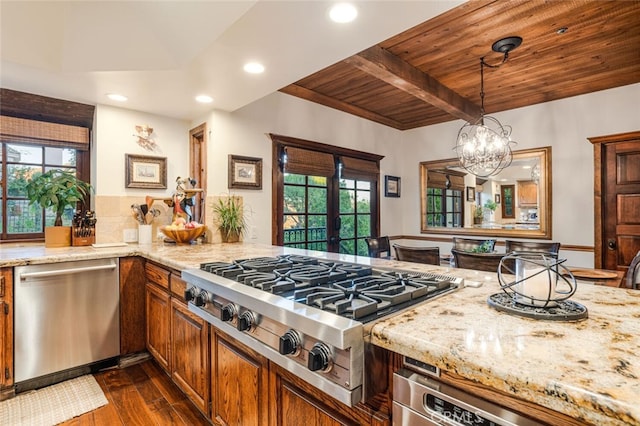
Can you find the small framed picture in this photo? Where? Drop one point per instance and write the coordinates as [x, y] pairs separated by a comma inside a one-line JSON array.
[[245, 172], [497, 197], [471, 193], [391, 186], [142, 171]]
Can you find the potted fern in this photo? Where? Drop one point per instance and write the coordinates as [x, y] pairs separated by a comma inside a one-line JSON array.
[[230, 218], [57, 190]]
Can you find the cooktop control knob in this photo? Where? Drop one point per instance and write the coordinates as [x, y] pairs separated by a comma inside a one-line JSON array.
[[189, 294], [246, 320], [290, 343], [201, 299], [227, 312], [319, 358]]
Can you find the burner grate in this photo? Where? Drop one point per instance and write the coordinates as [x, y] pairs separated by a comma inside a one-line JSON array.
[[350, 290]]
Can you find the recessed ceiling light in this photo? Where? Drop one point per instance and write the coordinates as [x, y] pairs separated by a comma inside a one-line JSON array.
[[343, 13], [117, 97], [254, 68], [562, 30], [204, 99], [526, 167]]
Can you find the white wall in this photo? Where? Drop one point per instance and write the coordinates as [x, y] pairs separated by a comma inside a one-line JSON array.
[[245, 132], [113, 137]]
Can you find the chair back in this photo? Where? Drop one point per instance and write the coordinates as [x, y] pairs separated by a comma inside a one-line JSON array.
[[469, 244], [430, 255], [377, 246], [478, 261], [532, 246], [633, 273]]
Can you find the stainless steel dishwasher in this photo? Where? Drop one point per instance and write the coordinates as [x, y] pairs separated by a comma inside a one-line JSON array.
[[67, 320]]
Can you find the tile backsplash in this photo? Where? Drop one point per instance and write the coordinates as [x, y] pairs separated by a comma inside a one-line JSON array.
[[114, 217]]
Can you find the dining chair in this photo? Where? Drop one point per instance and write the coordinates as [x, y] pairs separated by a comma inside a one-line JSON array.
[[471, 244], [478, 261], [377, 246], [633, 273], [532, 246], [430, 255]]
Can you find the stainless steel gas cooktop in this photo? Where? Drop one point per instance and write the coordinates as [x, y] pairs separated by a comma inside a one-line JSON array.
[[305, 313]]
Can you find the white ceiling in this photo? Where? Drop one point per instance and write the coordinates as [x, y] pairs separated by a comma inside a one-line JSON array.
[[161, 54]]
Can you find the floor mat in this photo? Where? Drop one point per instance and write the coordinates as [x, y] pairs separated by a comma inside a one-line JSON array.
[[53, 404]]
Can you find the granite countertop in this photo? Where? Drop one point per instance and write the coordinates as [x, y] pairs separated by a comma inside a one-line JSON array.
[[589, 370]]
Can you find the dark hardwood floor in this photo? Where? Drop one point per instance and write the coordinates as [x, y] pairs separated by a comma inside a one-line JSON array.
[[141, 394]]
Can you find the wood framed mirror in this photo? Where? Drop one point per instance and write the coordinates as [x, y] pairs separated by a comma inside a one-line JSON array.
[[446, 208]]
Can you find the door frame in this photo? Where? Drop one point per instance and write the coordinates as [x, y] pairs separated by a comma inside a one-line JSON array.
[[599, 146], [198, 136], [279, 142]]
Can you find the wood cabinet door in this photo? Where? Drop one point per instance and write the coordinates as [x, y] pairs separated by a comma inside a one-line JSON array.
[[527, 193], [190, 354], [132, 302], [157, 324], [6, 328], [239, 384], [297, 409]]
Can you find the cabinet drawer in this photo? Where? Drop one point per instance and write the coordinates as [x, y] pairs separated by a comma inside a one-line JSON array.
[[157, 275], [178, 286]]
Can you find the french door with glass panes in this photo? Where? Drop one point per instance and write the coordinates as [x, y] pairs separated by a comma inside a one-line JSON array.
[[325, 200], [319, 216]]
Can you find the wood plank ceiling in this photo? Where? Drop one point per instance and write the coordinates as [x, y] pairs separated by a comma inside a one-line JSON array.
[[430, 74]]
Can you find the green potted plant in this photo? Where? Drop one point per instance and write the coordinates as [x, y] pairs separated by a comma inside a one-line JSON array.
[[230, 218], [57, 190], [478, 215], [490, 205]]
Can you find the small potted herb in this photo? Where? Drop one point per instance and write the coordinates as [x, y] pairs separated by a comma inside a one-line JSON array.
[[57, 190]]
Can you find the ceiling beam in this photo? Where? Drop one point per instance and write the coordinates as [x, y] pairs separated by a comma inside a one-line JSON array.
[[385, 66], [310, 95]]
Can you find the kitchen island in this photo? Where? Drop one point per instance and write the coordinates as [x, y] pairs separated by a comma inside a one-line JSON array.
[[589, 370]]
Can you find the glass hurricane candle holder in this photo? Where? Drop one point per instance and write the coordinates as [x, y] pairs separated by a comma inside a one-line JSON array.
[[540, 279]]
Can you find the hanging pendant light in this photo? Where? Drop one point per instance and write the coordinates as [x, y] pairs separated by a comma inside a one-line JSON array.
[[484, 146]]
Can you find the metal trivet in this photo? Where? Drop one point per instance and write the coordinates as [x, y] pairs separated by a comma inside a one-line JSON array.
[[565, 310]]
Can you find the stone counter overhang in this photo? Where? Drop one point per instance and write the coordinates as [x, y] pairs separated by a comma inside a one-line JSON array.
[[589, 370]]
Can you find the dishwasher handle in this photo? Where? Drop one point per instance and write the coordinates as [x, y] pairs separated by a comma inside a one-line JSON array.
[[57, 272]]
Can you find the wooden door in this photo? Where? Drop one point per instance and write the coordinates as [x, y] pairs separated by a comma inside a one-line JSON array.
[[198, 168], [239, 384], [617, 199], [189, 354], [157, 323]]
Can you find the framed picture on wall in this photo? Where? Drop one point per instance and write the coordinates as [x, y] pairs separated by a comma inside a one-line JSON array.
[[245, 172], [143, 171], [471, 193], [391, 186]]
